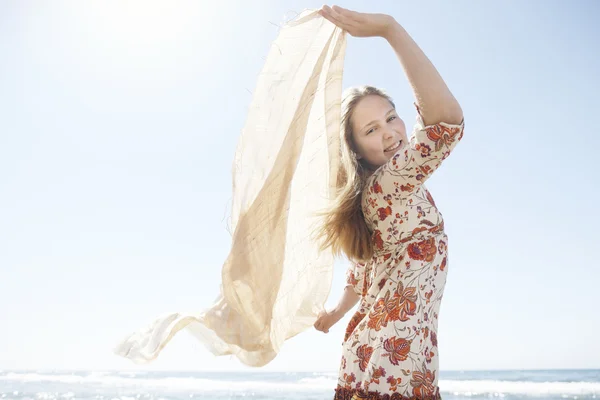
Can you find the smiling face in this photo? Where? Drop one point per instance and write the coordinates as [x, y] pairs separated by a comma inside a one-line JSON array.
[[377, 131]]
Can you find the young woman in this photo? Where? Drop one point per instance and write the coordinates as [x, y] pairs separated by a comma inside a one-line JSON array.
[[386, 222]]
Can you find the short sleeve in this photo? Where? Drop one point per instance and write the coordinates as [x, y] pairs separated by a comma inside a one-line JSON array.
[[412, 165], [355, 275]]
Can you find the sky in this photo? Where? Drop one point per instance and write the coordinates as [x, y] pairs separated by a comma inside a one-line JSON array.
[[118, 125]]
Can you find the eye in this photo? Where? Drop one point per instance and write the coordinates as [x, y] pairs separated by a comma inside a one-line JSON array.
[[393, 117], [370, 131]]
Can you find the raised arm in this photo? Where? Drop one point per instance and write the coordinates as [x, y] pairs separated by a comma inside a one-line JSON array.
[[440, 122], [435, 101]]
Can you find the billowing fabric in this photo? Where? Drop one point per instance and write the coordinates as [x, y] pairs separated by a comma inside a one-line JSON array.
[[390, 348], [275, 280]]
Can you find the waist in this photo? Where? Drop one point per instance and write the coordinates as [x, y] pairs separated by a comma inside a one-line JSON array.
[[417, 234]]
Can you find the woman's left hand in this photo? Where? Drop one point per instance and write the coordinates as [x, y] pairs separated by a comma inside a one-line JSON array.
[[359, 24], [327, 319]]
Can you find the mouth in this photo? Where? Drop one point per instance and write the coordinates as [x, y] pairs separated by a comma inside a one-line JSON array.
[[393, 147]]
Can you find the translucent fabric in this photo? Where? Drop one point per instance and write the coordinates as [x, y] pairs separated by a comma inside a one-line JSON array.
[[275, 280]]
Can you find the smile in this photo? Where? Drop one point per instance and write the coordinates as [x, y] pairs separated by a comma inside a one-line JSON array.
[[394, 147]]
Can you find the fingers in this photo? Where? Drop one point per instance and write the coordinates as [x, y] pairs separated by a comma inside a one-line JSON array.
[[329, 15], [321, 329], [346, 16], [352, 15], [320, 326], [338, 16]]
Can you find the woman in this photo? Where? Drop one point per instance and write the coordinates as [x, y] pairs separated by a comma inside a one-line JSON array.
[[386, 222]]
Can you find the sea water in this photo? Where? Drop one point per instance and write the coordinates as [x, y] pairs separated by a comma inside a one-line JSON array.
[[127, 385]]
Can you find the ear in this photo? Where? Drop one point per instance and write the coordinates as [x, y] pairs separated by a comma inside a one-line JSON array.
[[355, 155]]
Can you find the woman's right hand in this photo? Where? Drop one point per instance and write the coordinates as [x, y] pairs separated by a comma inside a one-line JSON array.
[[327, 319]]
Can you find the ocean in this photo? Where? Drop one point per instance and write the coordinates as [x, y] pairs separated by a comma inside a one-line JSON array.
[[103, 385]]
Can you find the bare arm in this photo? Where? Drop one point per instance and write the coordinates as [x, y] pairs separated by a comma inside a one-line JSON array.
[[347, 301], [327, 319], [436, 102]]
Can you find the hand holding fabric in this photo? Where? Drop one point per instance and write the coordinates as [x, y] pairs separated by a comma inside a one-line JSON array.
[[359, 24], [327, 319]]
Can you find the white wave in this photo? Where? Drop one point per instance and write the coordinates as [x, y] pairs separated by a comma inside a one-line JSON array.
[[132, 373], [176, 384], [320, 381], [484, 387], [45, 396], [327, 374], [317, 382]]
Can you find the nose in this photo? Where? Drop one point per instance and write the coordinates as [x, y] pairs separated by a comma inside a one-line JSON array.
[[388, 134]]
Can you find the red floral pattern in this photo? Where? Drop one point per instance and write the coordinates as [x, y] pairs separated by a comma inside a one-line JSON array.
[[390, 347]]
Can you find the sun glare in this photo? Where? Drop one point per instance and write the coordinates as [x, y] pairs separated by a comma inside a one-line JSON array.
[[141, 23], [138, 40]]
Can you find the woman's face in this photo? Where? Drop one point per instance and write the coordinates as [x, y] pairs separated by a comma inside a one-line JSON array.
[[377, 130]]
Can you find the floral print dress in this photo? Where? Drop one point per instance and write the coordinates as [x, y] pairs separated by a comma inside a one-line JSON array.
[[390, 347]]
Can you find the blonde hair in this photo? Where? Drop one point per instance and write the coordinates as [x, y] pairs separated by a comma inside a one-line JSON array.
[[344, 229]]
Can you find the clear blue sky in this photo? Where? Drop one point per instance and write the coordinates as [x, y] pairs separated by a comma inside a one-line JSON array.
[[118, 126]]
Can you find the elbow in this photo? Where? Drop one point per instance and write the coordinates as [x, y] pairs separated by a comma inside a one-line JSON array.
[[447, 111], [453, 113]]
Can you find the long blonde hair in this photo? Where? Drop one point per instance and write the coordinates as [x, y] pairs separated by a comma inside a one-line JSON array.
[[344, 228]]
